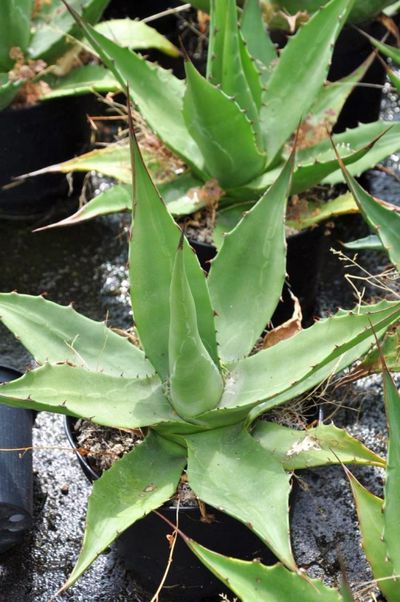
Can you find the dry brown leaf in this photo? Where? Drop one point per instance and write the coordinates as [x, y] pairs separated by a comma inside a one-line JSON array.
[[287, 329], [391, 27], [203, 20], [294, 21]]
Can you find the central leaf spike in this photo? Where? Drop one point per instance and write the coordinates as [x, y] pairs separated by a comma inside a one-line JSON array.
[[196, 384]]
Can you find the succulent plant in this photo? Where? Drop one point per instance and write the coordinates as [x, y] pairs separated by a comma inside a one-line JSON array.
[[40, 41], [234, 127], [378, 518], [363, 10], [196, 386], [390, 52], [383, 219]]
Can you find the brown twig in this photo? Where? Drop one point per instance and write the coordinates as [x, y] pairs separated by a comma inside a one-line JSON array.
[[172, 541]]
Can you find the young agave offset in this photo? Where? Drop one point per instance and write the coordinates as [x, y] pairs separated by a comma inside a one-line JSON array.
[[383, 219], [379, 518], [196, 387], [234, 127]]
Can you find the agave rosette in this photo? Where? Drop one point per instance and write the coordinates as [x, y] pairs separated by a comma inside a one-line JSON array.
[[236, 125], [195, 385]]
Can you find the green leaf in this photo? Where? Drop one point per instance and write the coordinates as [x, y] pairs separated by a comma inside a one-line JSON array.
[[324, 444], [341, 358], [83, 80], [189, 396], [257, 38], [392, 9], [136, 34], [313, 354], [332, 97], [390, 51], [374, 142], [115, 199], [363, 10], [157, 93], [54, 31], [370, 518], [135, 485], [391, 505], [8, 90], [299, 217], [215, 42], [394, 79], [230, 65], [155, 238], [390, 347], [184, 195], [371, 242], [314, 212], [358, 137], [247, 276], [53, 333], [253, 581], [300, 73], [385, 221], [309, 174], [113, 161], [261, 499], [15, 25], [180, 195], [108, 400], [222, 131]]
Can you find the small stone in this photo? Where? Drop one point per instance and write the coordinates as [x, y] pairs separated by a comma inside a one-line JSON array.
[[65, 489]]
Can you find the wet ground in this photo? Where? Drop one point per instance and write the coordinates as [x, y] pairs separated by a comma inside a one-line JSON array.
[[86, 265]]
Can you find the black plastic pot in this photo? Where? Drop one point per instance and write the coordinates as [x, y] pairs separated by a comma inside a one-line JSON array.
[[144, 547], [16, 478], [33, 138], [303, 267]]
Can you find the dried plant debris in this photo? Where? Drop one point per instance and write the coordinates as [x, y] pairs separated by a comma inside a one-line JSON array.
[[103, 445]]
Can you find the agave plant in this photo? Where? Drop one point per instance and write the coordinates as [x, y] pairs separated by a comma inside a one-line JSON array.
[[390, 52], [235, 126], [378, 517], [40, 42], [195, 386], [383, 219], [362, 11]]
